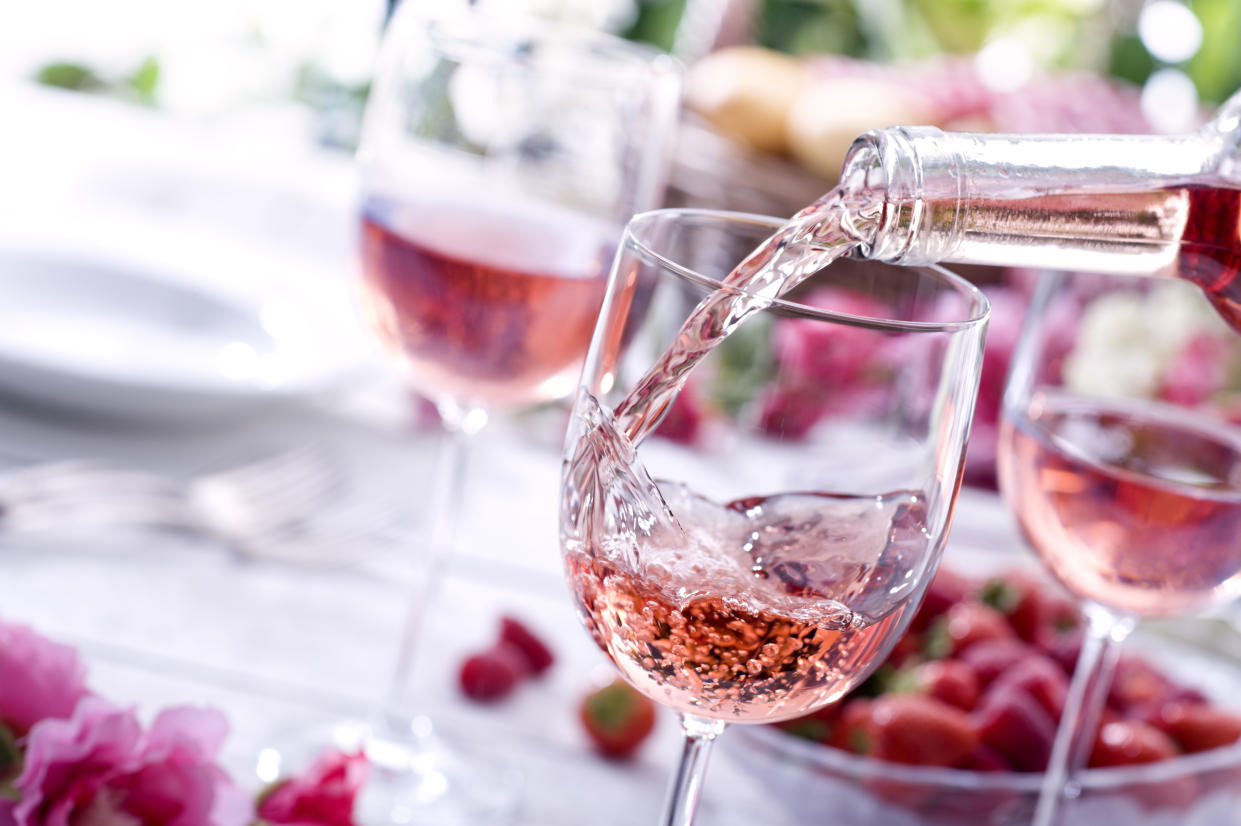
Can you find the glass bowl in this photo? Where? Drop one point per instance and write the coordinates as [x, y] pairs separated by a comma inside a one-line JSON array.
[[817, 783]]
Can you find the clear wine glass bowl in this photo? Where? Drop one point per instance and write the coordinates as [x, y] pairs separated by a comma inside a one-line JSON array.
[[1120, 455], [500, 159], [760, 552]]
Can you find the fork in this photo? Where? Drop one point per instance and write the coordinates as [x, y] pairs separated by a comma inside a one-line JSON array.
[[254, 507]]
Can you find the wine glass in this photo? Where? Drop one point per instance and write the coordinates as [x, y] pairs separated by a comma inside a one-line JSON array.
[[500, 158], [1123, 472], [760, 552]]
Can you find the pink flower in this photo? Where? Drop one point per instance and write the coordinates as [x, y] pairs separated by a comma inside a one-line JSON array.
[[1199, 371], [788, 413], [99, 768], [683, 420], [323, 795], [38, 678], [833, 356]]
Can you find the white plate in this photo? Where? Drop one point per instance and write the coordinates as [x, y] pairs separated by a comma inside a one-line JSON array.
[[134, 339]]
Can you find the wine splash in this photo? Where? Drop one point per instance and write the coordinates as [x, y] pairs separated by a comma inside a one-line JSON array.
[[759, 609]]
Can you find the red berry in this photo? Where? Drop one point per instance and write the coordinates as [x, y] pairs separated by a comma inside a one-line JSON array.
[[1137, 685], [950, 681], [1033, 610], [817, 725], [986, 759], [491, 675], [538, 656], [1197, 727], [1064, 648], [1015, 725], [1124, 742], [1040, 677], [852, 729], [618, 718], [990, 658], [920, 730], [974, 622], [945, 591]]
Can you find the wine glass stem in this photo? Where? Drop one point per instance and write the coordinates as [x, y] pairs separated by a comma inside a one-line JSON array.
[[1083, 707], [447, 492], [686, 787]]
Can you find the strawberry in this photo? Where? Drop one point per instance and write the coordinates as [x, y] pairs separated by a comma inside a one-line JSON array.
[[986, 759], [1125, 742], [1040, 677], [1137, 684], [972, 622], [1064, 648], [945, 590], [816, 726], [1033, 610], [492, 674], [538, 656], [852, 731], [618, 718], [990, 658], [920, 730], [950, 681], [1197, 727], [1018, 727]]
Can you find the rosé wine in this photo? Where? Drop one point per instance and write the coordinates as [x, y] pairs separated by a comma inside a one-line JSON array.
[[757, 610], [490, 305], [1135, 505]]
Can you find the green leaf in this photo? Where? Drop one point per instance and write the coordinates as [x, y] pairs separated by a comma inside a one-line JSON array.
[[744, 363], [73, 76], [10, 762], [808, 728], [936, 643], [1000, 595], [144, 80]]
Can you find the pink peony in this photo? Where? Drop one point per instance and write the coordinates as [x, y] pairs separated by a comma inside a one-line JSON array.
[[683, 420], [38, 678], [99, 768], [788, 413], [834, 356], [323, 795], [1201, 369]]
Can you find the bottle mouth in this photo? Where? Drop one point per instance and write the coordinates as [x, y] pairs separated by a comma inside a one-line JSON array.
[[916, 174]]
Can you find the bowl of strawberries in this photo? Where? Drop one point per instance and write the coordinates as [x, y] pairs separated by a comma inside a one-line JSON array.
[[956, 727]]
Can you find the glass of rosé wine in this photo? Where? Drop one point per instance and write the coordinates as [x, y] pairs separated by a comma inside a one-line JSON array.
[[500, 158], [756, 490], [1120, 455]]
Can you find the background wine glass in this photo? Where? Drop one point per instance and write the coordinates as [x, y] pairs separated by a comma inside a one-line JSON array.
[[761, 561], [1131, 500], [500, 158]]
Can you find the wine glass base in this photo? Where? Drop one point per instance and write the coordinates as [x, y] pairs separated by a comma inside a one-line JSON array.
[[414, 778]]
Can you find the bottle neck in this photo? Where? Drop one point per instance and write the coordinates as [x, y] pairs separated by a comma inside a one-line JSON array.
[[957, 197]]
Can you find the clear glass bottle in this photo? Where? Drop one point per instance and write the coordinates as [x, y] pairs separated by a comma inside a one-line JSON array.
[[1127, 204]]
